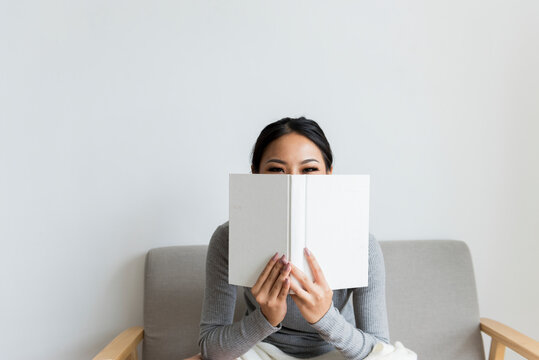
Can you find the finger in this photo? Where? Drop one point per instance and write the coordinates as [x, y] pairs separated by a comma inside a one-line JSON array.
[[302, 278], [278, 285], [300, 293], [318, 275], [274, 273], [284, 289], [264, 274]]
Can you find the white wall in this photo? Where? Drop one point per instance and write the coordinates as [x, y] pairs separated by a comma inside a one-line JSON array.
[[120, 121]]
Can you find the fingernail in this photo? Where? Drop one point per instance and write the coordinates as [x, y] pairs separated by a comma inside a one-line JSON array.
[[286, 268], [307, 252], [275, 256], [283, 260]]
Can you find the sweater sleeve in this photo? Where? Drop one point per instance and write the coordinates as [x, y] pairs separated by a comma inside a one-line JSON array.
[[369, 310], [220, 337]]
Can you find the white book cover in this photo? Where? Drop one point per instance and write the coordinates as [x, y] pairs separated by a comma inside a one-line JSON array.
[[328, 214]]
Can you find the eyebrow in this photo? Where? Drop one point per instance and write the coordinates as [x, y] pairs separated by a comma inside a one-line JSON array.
[[284, 162]]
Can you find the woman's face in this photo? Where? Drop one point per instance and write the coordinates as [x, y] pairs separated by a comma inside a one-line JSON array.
[[292, 154]]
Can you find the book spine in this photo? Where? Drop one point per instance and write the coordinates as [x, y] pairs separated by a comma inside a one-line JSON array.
[[297, 219], [288, 224]]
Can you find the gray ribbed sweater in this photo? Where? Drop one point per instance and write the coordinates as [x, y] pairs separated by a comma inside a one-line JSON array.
[[221, 338]]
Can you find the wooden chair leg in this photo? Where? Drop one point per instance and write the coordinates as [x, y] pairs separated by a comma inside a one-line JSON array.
[[497, 350]]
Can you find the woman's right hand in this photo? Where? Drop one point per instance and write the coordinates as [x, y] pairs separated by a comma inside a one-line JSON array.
[[271, 289]]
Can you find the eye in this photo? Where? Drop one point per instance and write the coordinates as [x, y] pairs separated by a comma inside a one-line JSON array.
[[310, 169], [275, 169]]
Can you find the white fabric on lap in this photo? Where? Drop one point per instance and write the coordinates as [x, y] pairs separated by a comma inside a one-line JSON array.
[[381, 351], [267, 351]]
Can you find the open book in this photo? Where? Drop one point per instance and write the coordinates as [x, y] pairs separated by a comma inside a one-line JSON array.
[[328, 214]]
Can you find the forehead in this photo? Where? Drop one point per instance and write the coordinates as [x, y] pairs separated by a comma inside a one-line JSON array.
[[292, 146]]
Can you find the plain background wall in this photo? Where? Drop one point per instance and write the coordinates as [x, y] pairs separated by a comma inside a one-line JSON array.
[[121, 120]]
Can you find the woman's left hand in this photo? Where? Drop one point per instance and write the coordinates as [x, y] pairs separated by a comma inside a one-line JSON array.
[[313, 299]]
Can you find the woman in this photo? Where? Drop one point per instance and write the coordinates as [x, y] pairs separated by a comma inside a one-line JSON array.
[[309, 323]]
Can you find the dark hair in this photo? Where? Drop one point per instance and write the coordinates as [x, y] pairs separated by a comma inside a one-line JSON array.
[[308, 128]]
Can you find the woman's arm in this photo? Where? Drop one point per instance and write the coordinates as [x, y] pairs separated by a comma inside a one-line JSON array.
[[220, 338], [369, 309]]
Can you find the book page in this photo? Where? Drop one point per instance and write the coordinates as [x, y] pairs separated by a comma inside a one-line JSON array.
[[337, 227], [258, 224]]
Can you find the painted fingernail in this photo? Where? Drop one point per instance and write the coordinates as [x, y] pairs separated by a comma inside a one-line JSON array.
[[283, 259], [275, 256], [307, 252], [286, 268]]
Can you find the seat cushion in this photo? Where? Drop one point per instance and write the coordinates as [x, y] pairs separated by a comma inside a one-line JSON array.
[[430, 290]]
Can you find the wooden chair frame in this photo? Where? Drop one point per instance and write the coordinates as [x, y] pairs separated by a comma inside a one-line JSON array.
[[124, 346]]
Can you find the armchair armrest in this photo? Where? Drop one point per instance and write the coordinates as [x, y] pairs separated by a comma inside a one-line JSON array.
[[124, 346], [505, 336]]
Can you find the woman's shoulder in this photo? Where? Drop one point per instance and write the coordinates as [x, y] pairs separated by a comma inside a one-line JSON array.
[[376, 256], [373, 241], [375, 251], [222, 228], [219, 237]]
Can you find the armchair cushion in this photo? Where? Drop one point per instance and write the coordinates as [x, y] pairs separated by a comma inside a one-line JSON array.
[[431, 298], [430, 290]]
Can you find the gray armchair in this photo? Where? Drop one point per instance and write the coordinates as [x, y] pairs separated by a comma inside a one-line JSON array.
[[431, 300]]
